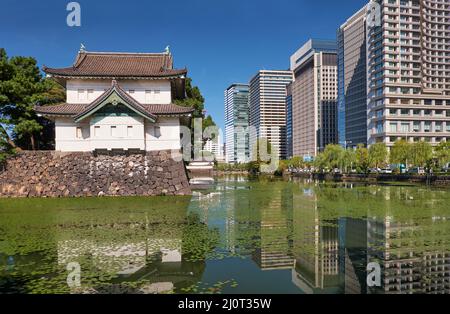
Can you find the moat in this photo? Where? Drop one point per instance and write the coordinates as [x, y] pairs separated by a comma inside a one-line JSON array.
[[240, 236]]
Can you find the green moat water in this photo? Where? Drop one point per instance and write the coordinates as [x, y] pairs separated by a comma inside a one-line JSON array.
[[241, 236]]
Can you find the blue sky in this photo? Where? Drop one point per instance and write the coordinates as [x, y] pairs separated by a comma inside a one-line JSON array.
[[219, 41]]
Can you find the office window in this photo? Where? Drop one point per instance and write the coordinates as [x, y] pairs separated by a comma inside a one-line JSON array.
[[379, 127], [393, 127], [405, 127]]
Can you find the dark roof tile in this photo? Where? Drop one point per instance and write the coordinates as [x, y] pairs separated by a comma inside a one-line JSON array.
[[119, 65]]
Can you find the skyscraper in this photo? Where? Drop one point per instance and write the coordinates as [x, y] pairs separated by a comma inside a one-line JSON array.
[[289, 153], [352, 81], [236, 123], [408, 63], [267, 104], [314, 97]]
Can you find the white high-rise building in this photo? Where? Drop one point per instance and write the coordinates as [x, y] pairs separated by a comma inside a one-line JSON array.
[[267, 105], [236, 123], [408, 71]]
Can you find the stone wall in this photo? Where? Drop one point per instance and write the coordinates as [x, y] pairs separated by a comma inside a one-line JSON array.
[[52, 174]]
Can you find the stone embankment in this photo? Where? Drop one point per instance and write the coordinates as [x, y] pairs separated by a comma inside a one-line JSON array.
[[52, 174]]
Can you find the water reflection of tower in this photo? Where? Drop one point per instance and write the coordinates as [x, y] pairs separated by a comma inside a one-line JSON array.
[[407, 266], [353, 255], [315, 247], [413, 252], [274, 251]]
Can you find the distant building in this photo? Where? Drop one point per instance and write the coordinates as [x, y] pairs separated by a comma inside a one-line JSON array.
[[215, 147], [314, 97], [267, 106], [119, 101], [289, 152], [236, 123], [352, 74]]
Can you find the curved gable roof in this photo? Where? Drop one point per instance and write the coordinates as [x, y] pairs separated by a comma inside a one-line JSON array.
[[115, 95]]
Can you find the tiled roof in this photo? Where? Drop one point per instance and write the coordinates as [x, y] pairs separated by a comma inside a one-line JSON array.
[[77, 111], [72, 110], [168, 109], [119, 65], [61, 109]]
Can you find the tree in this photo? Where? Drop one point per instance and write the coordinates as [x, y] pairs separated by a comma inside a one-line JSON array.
[[22, 86], [421, 154], [401, 152], [332, 156], [261, 154], [442, 153], [348, 159], [378, 154], [195, 100], [362, 158]]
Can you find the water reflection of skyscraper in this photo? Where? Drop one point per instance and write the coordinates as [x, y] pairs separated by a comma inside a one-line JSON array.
[[315, 247], [274, 251], [411, 259]]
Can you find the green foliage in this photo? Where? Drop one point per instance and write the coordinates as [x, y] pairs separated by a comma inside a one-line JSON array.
[[261, 154], [201, 240], [401, 152], [194, 99], [378, 155], [294, 162], [442, 153], [348, 159], [21, 88], [421, 154], [362, 158]]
